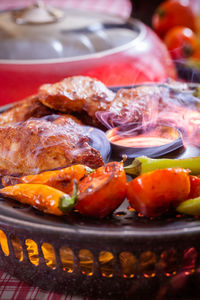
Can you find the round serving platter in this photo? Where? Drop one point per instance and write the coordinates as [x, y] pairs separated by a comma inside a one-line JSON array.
[[122, 256]]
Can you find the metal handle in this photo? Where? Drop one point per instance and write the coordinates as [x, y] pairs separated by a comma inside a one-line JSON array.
[[37, 14]]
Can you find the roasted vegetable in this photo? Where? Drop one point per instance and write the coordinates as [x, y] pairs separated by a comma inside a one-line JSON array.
[[60, 179], [42, 197], [102, 191], [190, 207], [194, 187], [153, 193], [144, 164], [99, 193]]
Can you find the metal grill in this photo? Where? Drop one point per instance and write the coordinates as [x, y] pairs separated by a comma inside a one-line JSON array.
[[122, 256], [105, 260]]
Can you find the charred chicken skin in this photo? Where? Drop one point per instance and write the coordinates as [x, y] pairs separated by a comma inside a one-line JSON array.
[[41, 144], [24, 110], [76, 94]]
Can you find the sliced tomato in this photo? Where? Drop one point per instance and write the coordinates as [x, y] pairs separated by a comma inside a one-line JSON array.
[[102, 191], [194, 187]]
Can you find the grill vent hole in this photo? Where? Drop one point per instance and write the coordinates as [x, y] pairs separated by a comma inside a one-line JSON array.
[[49, 255], [168, 262], [86, 260], [129, 264], [4, 243], [32, 250], [17, 247], [147, 262], [67, 259], [106, 261], [189, 260]]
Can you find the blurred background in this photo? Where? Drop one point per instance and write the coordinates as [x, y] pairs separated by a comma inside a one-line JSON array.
[[120, 42], [144, 9]]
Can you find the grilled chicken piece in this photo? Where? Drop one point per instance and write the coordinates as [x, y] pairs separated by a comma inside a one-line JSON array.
[[135, 105], [24, 110], [77, 93], [40, 144], [136, 97]]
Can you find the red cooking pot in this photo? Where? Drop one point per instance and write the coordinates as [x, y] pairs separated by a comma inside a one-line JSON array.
[[41, 44]]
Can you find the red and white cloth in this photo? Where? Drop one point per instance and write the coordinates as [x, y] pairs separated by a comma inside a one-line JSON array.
[[120, 8], [14, 289], [10, 287]]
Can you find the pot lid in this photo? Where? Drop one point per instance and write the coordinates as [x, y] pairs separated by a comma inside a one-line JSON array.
[[44, 32]]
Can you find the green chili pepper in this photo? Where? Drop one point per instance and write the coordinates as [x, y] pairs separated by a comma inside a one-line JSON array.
[[144, 164], [66, 202], [190, 207]]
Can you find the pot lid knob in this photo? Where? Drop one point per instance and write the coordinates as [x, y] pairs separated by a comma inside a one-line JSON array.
[[37, 14]]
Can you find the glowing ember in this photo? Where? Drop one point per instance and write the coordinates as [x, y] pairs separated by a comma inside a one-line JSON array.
[[153, 141], [159, 136], [140, 141]]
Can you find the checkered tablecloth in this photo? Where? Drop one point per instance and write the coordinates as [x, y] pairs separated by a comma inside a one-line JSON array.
[[11, 288], [121, 8]]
